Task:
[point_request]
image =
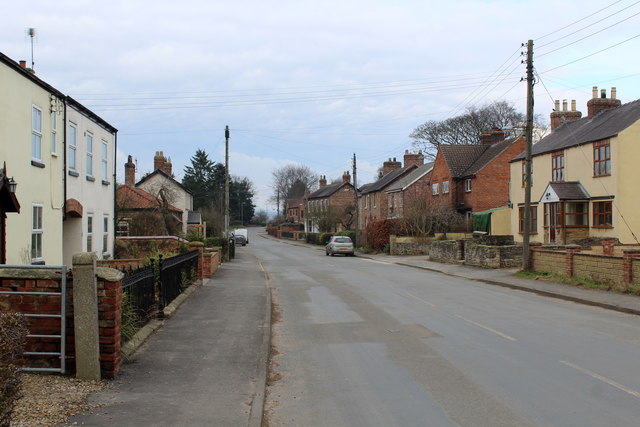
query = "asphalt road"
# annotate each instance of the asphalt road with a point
(364, 343)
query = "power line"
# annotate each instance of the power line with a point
(579, 20)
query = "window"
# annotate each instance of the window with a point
(89, 154)
(72, 146)
(576, 214)
(36, 233)
(54, 130)
(122, 229)
(89, 233)
(105, 150)
(533, 227)
(434, 189)
(105, 234)
(524, 172)
(557, 166)
(602, 215)
(467, 185)
(445, 187)
(601, 158)
(36, 133)
(366, 202)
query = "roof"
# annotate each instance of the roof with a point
(29, 75)
(327, 190)
(129, 197)
(409, 179)
(194, 217)
(466, 160)
(606, 124)
(93, 116)
(165, 175)
(569, 190)
(295, 202)
(386, 180)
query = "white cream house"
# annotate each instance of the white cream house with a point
(89, 223)
(32, 146)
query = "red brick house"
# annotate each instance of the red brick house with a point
(373, 203)
(294, 210)
(406, 191)
(475, 178)
(331, 207)
(143, 214)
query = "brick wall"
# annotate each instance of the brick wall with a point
(599, 268)
(109, 317)
(547, 260)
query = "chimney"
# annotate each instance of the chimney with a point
(485, 137)
(497, 135)
(346, 177)
(558, 117)
(129, 172)
(413, 158)
(595, 105)
(168, 167)
(323, 181)
(158, 161)
(390, 165)
(23, 63)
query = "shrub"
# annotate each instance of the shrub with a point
(378, 233)
(311, 238)
(350, 233)
(13, 332)
(324, 238)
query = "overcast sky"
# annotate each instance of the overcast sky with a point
(313, 82)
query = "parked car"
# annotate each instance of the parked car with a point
(240, 239)
(242, 232)
(339, 245)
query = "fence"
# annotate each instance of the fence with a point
(175, 273)
(139, 289)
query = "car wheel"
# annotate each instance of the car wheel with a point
(326, 253)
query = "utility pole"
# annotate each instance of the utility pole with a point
(355, 193)
(226, 181)
(526, 227)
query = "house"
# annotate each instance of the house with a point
(294, 210)
(161, 183)
(584, 175)
(8, 204)
(475, 178)
(90, 175)
(373, 202)
(331, 207)
(408, 190)
(32, 144)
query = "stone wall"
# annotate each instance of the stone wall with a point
(549, 261)
(409, 245)
(492, 256)
(444, 251)
(599, 268)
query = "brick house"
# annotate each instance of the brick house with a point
(408, 190)
(475, 178)
(373, 202)
(294, 210)
(330, 207)
(584, 175)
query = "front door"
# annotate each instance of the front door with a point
(551, 217)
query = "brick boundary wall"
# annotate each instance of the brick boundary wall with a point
(109, 316)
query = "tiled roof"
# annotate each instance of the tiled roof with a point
(459, 158)
(569, 191)
(386, 180)
(295, 202)
(327, 190)
(410, 178)
(129, 197)
(603, 125)
(491, 153)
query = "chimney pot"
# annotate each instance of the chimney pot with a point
(573, 105)
(613, 93)
(564, 105)
(23, 63)
(594, 92)
(557, 105)
(603, 93)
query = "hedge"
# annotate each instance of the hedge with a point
(378, 233)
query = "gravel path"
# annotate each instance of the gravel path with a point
(49, 400)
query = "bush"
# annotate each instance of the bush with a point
(324, 238)
(378, 233)
(13, 332)
(349, 233)
(311, 238)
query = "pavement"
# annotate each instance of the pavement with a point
(216, 373)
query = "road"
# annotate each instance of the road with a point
(367, 343)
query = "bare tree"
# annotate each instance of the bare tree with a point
(291, 181)
(466, 128)
(424, 217)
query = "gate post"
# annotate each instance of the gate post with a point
(85, 316)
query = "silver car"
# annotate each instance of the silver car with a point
(339, 245)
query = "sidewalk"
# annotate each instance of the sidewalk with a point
(206, 366)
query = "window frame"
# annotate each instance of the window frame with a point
(54, 133)
(37, 232)
(36, 134)
(435, 189)
(89, 240)
(566, 214)
(72, 161)
(601, 163)
(467, 185)
(533, 220)
(105, 233)
(105, 160)
(557, 170)
(599, 213)
(89, 156)
(445, 187)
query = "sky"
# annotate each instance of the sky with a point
(313, 82)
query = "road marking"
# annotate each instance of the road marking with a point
(487, 328)
(420, 299)
(603, 379)
(374, 260)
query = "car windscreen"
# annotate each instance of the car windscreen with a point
(342, 240)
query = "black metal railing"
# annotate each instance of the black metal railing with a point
(140, 292)
(176, 273)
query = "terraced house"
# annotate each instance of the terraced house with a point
(585, 175)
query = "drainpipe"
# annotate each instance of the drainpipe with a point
(64, 166)
(115, 185)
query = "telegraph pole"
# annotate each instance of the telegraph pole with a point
(526, 227)
(226, 180)
(355, 193)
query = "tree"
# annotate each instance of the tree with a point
(261, 217)
(466, 128)
(241, 192)
(292, 181)
(205, 179)
(328, 218)
(424, 217)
